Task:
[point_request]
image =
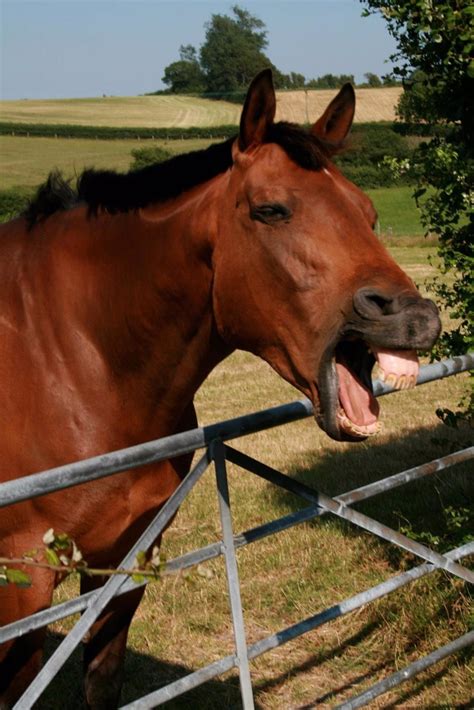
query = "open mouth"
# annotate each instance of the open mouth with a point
(348, 409)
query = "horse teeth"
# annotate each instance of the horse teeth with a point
(378, 373)
(402, 382)
(391, 380)
(355, 429)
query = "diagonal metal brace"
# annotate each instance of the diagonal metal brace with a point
(341, 510)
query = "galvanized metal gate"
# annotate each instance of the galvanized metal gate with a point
(217, 452)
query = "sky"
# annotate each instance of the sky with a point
(86, 48)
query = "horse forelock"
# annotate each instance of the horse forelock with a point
(115, 192)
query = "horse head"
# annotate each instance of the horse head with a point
(301, 279)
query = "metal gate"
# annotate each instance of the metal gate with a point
(216, 452)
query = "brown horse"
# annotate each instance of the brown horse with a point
(117, 301)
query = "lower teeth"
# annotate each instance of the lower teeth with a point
(356, 429)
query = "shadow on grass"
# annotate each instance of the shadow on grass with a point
(143, 674)
(421, 504)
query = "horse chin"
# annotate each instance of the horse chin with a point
(347, 409)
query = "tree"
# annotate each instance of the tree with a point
(185, 76)
(435, 46)
(330, 81)
(372, 80)
(417, 99)
(233, 51)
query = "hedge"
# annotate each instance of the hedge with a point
(173, 133)
(13, 202)
(113, 133)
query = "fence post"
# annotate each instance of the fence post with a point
(218, 454)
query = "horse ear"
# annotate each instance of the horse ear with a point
(259, 110)
(336, 121)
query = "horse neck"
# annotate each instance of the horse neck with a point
(151, 307)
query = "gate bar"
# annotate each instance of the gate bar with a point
(233, 581)
(73, 606)
(202, 675)
(408, 672)
(38, 484)
(338, 508)
(103, 595)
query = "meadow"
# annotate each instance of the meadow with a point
(184, 622)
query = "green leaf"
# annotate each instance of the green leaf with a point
(470, 69)
(141, 558)
(51, 557)
(18, 577)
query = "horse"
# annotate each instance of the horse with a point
(120, 295)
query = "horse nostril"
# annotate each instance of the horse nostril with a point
(373, 304)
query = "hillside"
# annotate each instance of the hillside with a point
(185, 111)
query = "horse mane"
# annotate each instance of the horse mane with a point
(115, 192)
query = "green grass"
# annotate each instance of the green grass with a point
(26, 162)
(397, 211)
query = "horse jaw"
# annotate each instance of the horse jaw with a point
(346, 408)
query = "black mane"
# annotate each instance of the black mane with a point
(122, 192)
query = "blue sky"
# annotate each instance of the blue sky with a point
(81, 48)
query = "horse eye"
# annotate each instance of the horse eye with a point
(270, 212)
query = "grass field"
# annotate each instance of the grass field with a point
(184, 620)
(184, 111)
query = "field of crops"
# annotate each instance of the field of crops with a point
(185, 111)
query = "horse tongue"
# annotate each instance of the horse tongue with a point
(397, 368)
(359, 411)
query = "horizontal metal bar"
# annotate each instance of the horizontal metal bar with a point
(37, 484)
(351, 604)
(192, 680)
(337, 507)
(73, 606)
(408, 672)
(357, 494)
(434, 371)
(400, 479)
(195, 557)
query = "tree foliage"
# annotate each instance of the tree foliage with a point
(232, 52)
(435, 41)
(185, 75)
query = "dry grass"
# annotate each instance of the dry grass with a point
(305, 107)
(184, 621)
(184, 111)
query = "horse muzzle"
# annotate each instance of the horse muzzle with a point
(381, 330)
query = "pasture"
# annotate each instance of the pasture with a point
(184, 620)
(184, 111)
